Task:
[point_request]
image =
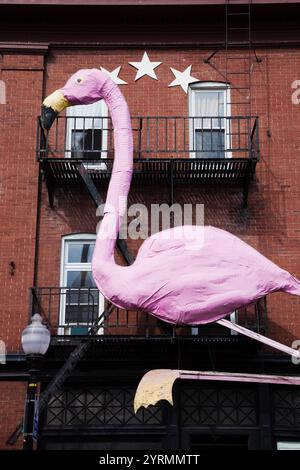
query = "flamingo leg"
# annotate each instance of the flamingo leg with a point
(259, 337)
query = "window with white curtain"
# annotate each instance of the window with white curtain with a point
(209, 129)
(86, 132)
(80, 302)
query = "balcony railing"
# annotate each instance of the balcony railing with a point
(91, 138)
(206, 150)
(72, 311)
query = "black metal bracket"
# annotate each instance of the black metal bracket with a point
(93, 191)
(207, 61)
(247, 179)
(50, 182)
(95, 195)
(245, 193)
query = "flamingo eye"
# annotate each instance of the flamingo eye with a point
(79, 80)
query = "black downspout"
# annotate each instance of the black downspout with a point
(39, 198)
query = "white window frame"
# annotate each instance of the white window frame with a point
(210, 87)
(98, 111)
(67, 240)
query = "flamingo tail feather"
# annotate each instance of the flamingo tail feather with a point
(293, 286)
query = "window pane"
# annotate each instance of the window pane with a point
(221, 103)
(210, 143)
(80, 279)
(80, 252)
(209, 104)
(81, 305)
(86, 143)
(83, 280)
(81, 313)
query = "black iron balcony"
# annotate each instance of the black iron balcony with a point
(204, 150)
(72, 311)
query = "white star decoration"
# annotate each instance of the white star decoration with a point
(114, 75)
(184, 78)
(145, 67)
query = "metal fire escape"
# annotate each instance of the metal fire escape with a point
(238, 67)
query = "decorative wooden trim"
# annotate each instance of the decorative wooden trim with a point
(25, 48)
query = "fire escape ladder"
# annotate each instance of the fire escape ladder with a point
(239, 55)
(238, 65)
(236, 69)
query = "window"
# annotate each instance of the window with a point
(86, 133)
(209, 110)
(81, 303)
(285, 445)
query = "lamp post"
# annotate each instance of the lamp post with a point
(35, 342)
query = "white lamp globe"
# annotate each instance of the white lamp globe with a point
(35, 337)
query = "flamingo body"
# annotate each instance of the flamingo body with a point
(183, 281)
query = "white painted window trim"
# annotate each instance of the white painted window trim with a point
(210, 86)
(83, 111)
(65, 266)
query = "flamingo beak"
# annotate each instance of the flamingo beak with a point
(51, 107)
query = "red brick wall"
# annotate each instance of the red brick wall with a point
(12, 400)
(271, 224)
(23, 76)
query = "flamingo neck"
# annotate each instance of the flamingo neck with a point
(118, 189)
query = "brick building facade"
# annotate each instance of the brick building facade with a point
(41, 45)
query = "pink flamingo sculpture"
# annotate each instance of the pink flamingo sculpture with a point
(186, 275)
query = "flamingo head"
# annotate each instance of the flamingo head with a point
(84, 87)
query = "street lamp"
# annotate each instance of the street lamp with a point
(35, 342)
